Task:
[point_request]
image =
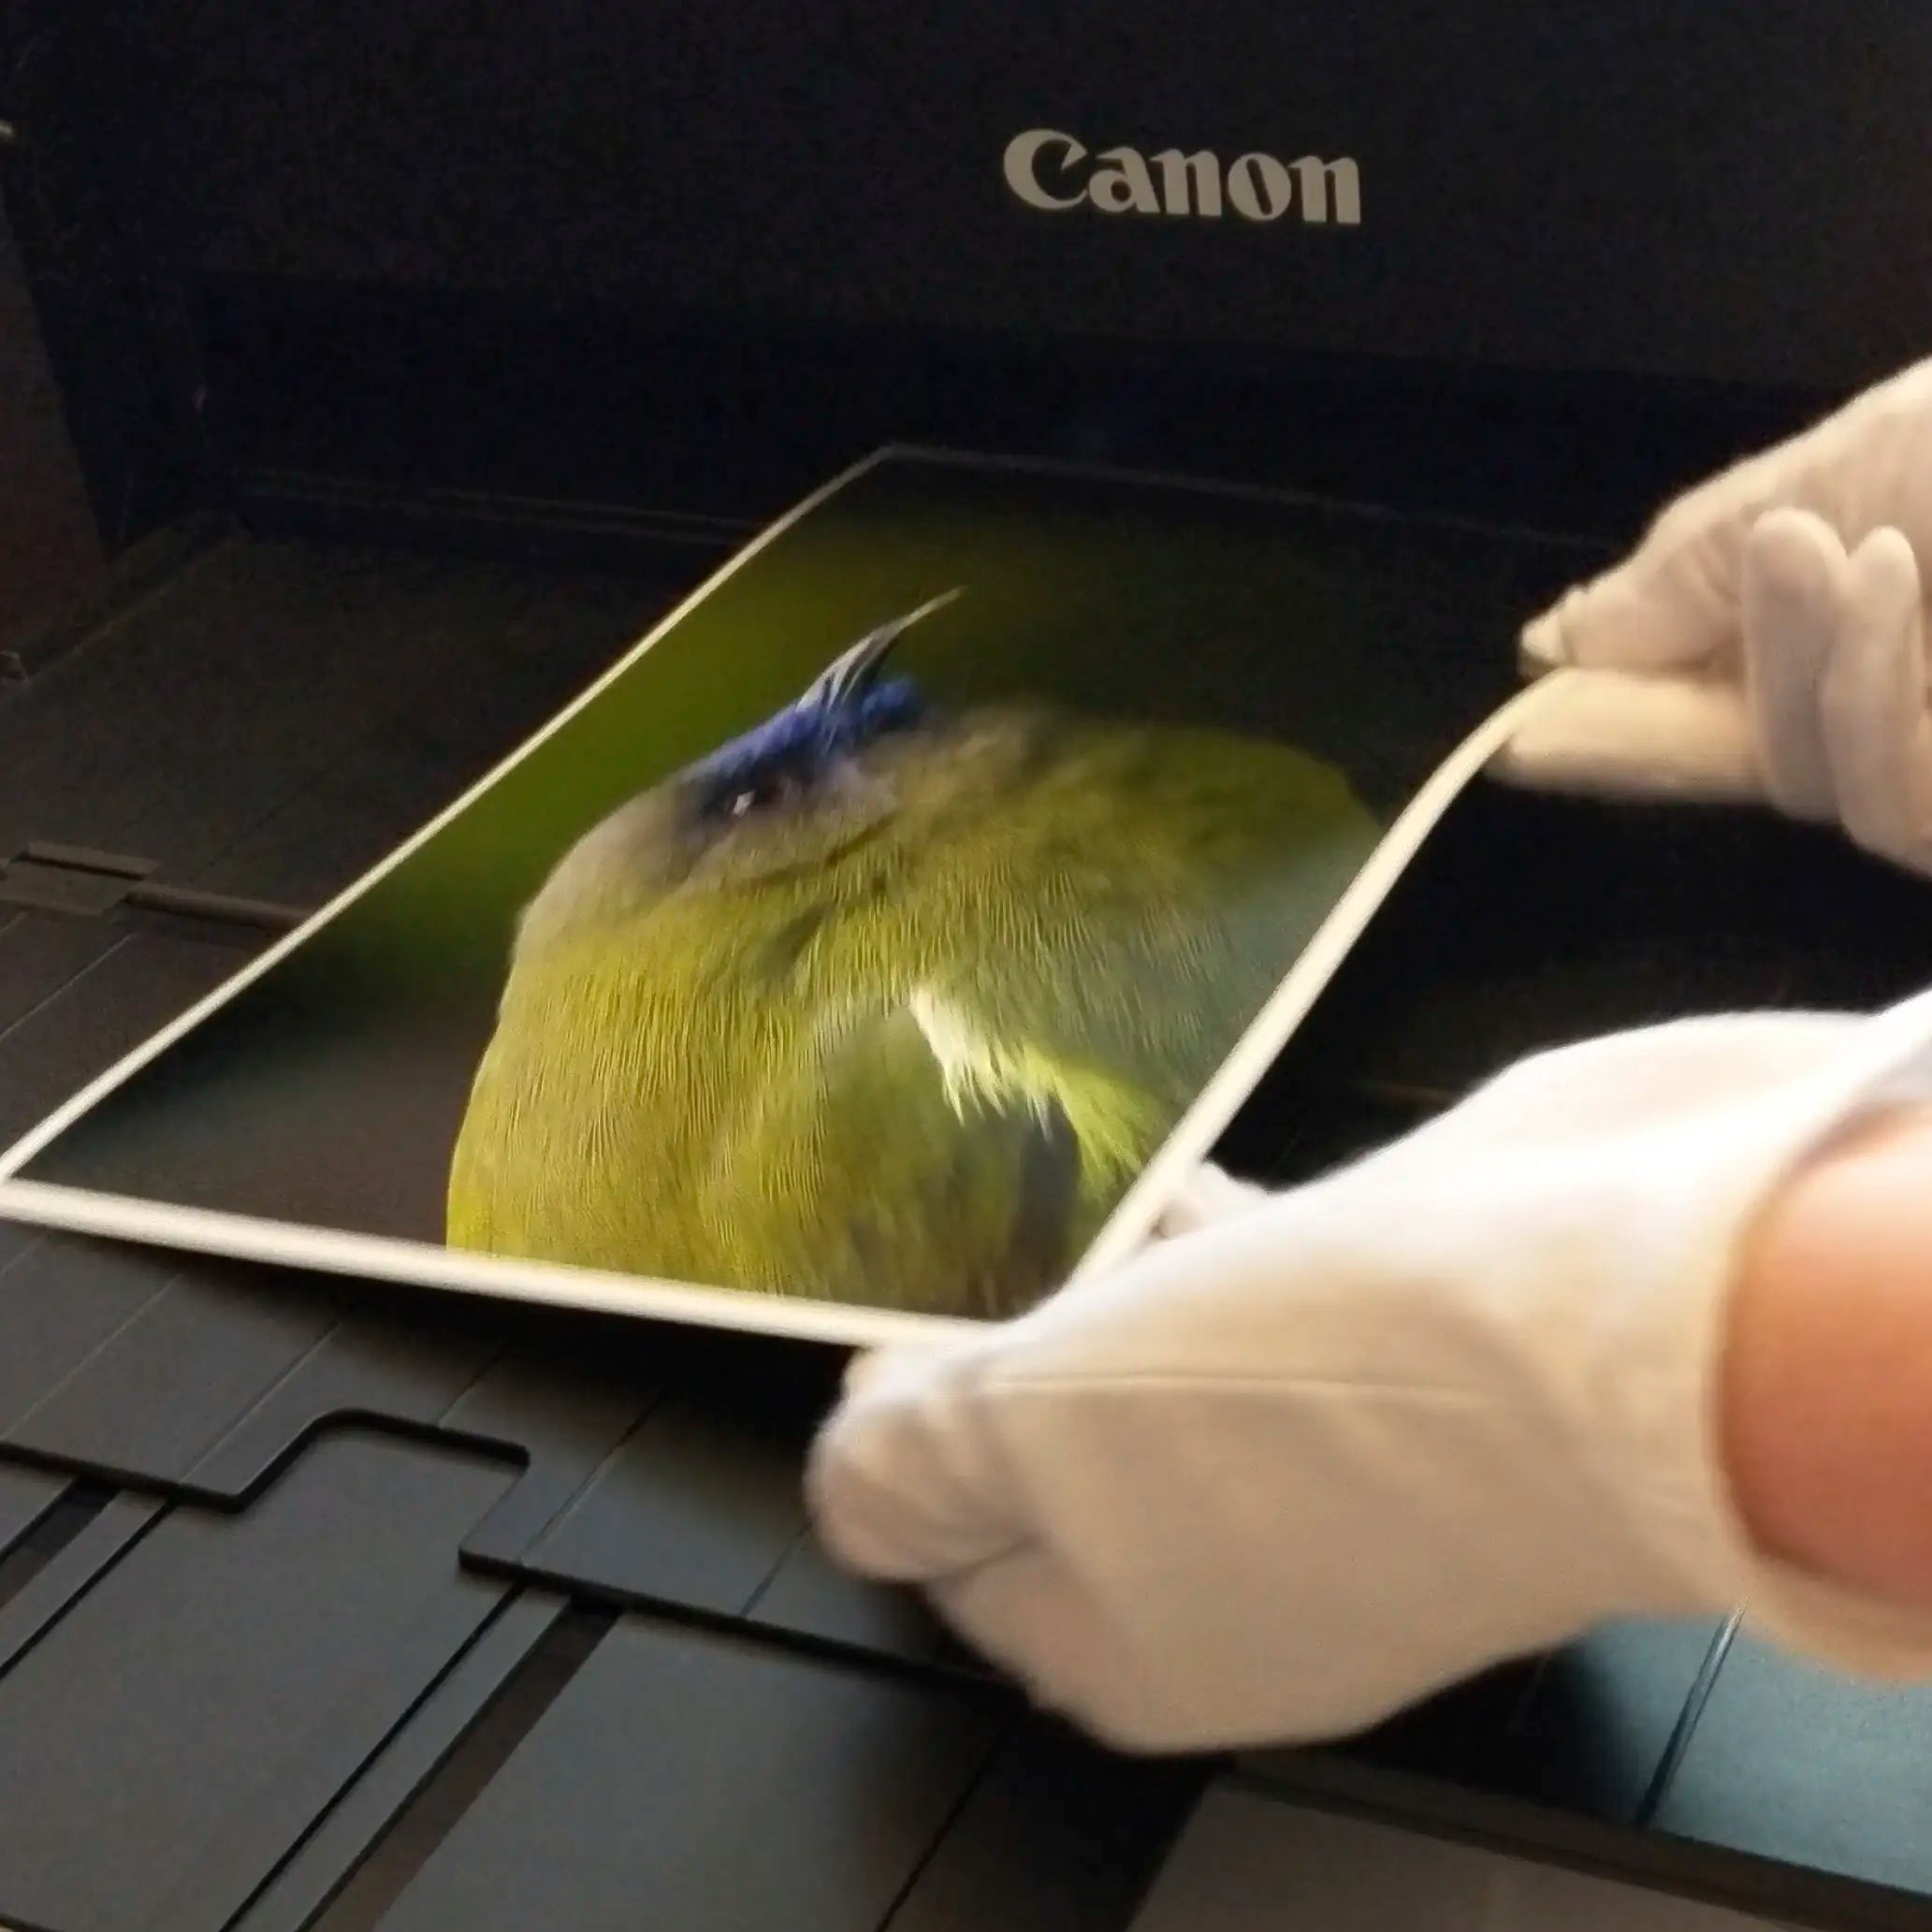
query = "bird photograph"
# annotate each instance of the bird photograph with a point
(846, 945)
(887, 1000)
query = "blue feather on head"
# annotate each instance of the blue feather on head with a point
(800, 742)
(848, 707)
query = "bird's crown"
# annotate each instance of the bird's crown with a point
(848, 706)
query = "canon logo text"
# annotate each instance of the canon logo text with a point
(1054, 172)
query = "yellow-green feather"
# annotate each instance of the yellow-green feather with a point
(917, 1066)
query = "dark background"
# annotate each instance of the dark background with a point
(841, 163)
(561, 276)
(49, 544)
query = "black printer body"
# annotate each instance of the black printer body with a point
(686, 260)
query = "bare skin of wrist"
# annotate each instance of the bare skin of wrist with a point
(1827, 1384)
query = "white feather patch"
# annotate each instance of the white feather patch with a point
(975, 1071)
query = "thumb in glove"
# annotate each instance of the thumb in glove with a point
(1766, 641)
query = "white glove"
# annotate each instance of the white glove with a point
(1322, 1452)
(1766, 641)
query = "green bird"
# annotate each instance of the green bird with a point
(888, 1004)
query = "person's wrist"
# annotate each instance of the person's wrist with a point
(1825, 1380)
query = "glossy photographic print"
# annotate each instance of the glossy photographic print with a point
(875, 945)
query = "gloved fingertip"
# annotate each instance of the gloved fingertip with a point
(1792, 576)
(864, 1370)
(1209, 1194)
(893, 1482)
(1638, 620)
(1607, 735)
(870, 1369)
(1883, 577)
(1792, 556)
(1670, 607)
(1544, 644)
(849, 1517)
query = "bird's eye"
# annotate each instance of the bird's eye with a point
(761, 796)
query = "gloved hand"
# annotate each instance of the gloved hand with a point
(1315, 1454)
(1766, 641)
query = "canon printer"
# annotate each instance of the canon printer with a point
(382, 369)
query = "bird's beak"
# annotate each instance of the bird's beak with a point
(852, 672)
